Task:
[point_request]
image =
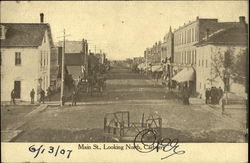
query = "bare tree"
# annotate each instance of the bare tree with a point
(229, 66)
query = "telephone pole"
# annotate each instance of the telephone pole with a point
(62, 68)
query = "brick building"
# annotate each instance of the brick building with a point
(185, 38)
(214, 46)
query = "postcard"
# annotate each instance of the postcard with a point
(124, 81)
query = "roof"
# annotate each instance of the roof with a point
(75, 71)
(25, 34)
(236, 35)
(73, 59)
(72, 46)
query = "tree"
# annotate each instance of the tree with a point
(230, 66)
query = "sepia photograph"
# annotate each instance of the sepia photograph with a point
(139, 72)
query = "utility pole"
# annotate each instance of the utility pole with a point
(62, 68)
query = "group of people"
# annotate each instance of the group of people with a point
(42, 96)
(32, 96)
(213, 95)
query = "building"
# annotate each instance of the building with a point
(153, 55)
(168, 52)
(25, 58)
(75, 58)
(138, 60)
(185, 51)
(212, 53)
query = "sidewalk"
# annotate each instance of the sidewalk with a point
(236, 113)
(12, 129)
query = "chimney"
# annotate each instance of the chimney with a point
(242, 19)
(41, 18)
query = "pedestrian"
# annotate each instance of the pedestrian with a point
(213, 95)
(42, 95)
(220, 92)
(32, 95)
(73, 98)
(208, 95)
(217, 95)
(188, 95)
(49, 92)
(13, 95)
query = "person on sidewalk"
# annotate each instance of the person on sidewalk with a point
(213, 95)
(74, 98)
(42, 95)
(13, 95)
(32, 96)
(220, 94)
(208, 95)
(49, 92)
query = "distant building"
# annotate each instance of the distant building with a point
(215, 46)
(138, 60)
(75, 58)
(25, 58)
(153, 55)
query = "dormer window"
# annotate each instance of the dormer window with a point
(2, 32)
(44, 39)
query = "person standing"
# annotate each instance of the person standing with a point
(42, 95)
(13, 95)
(73, 98)
(213, 95)
(32, 95)
(207, 94)
(49, 93)
(220, 92)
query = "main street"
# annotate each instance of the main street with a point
(138, 94)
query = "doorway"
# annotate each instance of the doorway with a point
(17, 87)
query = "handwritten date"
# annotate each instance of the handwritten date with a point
(51, 150)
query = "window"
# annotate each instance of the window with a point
(199, 63)
(202, 63)
(47, 60)
(41, 59)
(17, 58)
(44, 39)
(185, 37)
(182, 57)
(1, 31)
(192, 34)
(200, 85)
(206, 62)
(195, 34)
(44, 59)
(194, 56)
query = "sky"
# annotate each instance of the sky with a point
(121, 29)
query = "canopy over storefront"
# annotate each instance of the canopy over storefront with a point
(142, 66)
(187, 74)
(157, 68)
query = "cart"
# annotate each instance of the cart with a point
(118, 127)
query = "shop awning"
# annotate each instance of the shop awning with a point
(187, 74)
(141, 66)
(156, 68)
